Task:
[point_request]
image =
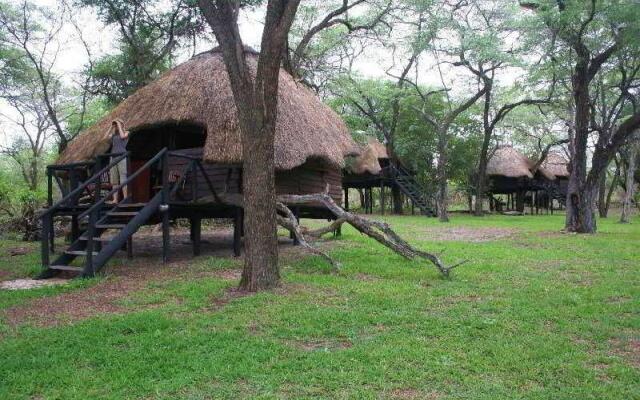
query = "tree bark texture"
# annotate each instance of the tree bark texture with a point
(441, 173)
(629, 178)
(256, 104)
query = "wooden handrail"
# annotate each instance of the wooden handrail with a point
(131, 177)
(84, 184)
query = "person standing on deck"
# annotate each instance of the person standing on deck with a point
(119, 140)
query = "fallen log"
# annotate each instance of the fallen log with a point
(379, 231)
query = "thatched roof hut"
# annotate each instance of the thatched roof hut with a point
(557, 164)
(198, 92)
(369, 159)
(508, 162)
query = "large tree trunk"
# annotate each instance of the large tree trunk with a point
(256, 103)
(481, 179)
(580, 217)
(441, 172)
(260, 224)
(603, 209)
(629, 184)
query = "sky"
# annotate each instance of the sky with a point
(373, 63)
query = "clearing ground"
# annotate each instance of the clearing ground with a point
(534, 314)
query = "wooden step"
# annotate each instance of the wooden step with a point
(66, 268)
(110, 226)
(122, 213)
(97, 239)
(131, 205)
(79, 252)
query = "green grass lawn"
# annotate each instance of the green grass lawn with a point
(534, 314)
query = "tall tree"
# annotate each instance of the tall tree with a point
(149, 33)
(256, 105)
(327, 35)
(615, 26)
(630, 167)
(31, 41)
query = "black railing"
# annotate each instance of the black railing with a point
(192, 169)
(70, 200)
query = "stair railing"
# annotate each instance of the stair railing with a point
(95, 211)
(48, 215)
(400, 171)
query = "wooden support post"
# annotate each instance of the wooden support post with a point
(371, 200)
(46, 220)
(164, 209)
(382, 197)
(296, 213)
(196, 230)
(346, 199)
(75, 228)
(49, 227)
(130, 247)
(238, 222)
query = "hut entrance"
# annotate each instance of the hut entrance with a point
(147, 142)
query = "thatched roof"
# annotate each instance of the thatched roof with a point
(369, 159)
(557, 164)
(377, 146)
(509, 162)
(198, 92)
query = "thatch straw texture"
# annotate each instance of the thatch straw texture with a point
(379, 148)
(557, 164)
(368, 160)
(199, 92)
(509, 162)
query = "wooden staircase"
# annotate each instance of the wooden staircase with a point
(412, 189)
(125, 218)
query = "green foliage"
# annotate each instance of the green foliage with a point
(149, 34)
(415, 141)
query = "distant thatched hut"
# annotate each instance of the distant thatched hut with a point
(373, 169)
(191, 109)
(513, 174)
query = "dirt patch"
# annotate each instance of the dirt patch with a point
(473, 235)
(124, 277)
(18, 251)
(628, 349)
(410, 393)
(228, 274)
(320, 344)
(22, 284)
(618, 299)
(4, 274)
(366, 277)
(99, 299)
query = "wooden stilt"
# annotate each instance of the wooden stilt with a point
(165, 237)
(130, 247)
(196, 230)
(237, 231)
(346, 199)
(382, 197)
(75, 228)
(296, 213)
